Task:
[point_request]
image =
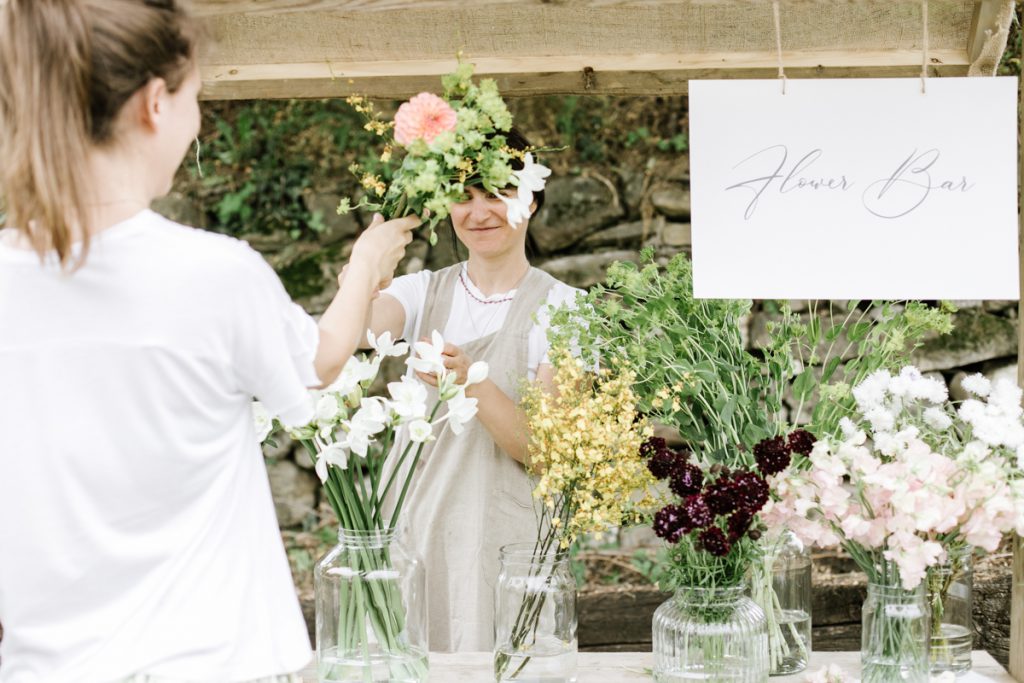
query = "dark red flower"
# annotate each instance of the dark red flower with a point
(720, 496)
(668, 522)
(772, 455)
(651, 446)
(801, 441)
(663, 463)
(751, 491)
(696, 514)
(738, 524)
(686, 480)
(714, 541)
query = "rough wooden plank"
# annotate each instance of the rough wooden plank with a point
(983, 19)
(626, 75)
(1016, 664)
(1017, 612)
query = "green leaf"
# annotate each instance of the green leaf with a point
(803, 385)
(830, 369)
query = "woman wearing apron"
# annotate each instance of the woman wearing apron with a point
(470, 493)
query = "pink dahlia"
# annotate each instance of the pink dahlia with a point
(423, 117)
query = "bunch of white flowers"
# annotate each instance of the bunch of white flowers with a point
(348, 423)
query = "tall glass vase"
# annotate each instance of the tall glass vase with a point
(781, 586)
(950, 588)
(535, 616)
(716, 635)
(371, 613)
(895, 635)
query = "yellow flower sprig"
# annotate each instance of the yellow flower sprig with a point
(584, 450)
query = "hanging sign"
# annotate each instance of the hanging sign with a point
(854, 188)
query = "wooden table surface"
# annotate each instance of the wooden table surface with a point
(623, 667)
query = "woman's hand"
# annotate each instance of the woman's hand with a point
(382, 246)
(455, 359)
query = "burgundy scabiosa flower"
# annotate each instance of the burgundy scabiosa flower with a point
(696, 512)
(720, 496)
(651, 446)
(686, 480)
(663, 463)
(714, 541)
(801, 441)
(668, 522)
(738, 524)
(772, 455)
(751, 491)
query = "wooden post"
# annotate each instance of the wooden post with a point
(1017, 591)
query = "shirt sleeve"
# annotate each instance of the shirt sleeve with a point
(561, 294)
(410, 291)
(275, 342)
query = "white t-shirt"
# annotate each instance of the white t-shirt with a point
(470, 318)
(137, 529)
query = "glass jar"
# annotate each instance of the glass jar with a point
(782, 588)
(535, 616)
(710, 634)
(950, 585)
(371, 614)
(895, 635)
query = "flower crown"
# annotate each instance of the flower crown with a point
(446, 144)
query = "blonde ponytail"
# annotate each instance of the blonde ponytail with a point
(67, 67)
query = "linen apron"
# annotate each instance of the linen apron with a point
(467, 497)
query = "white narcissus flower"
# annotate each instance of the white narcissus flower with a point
(262, 421)
(421, 431)
(517, 211)
(408, 398)
(531, 178)
(477, 373)
(335, 454)
(356, 371)
(429, 356)
(385, 346)
(370, 419)
(327, 409)
(460, 411)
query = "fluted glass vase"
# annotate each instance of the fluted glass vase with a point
(716, 635)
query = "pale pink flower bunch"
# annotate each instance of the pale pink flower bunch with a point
(911, 477)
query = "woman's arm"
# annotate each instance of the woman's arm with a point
(371, 266)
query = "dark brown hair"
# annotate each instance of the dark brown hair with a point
(67, 67)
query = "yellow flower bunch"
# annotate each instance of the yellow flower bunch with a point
(584, 450)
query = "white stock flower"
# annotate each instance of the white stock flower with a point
(880, 418)
(517, 211)
(262, 421)
(477, 373)
(335, 454)
(385, 346)
(460, 411)
(421, 431)
(408, 398)
(977, 384)
(429, 359)
(872, 391)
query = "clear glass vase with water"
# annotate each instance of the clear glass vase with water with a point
(950, 588)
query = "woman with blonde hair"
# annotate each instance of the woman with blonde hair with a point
(137, 532)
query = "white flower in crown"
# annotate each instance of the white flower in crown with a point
(530, 178)
(385, 346)
(517, 210)
(335, 454)
(262, 421)
(408, 398)
(421, 431)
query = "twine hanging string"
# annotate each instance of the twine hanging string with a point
(778, 43)
(924, 45)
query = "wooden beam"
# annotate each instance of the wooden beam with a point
(617, 75)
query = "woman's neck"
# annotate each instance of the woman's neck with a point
(499, 275)
(120, 189)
